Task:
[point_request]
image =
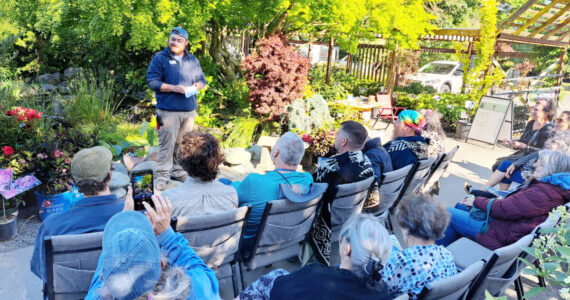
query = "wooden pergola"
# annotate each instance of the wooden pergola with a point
(544, 23)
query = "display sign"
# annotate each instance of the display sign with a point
(493, 120)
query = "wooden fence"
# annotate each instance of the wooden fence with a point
(370, 62)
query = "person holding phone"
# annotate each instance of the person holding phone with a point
(91, 171)
(176, 77)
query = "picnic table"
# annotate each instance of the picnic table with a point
(362, 104)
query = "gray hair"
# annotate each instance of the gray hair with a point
(173, 284)
(291, 148)
(370, 244)
(422, 217)
(559, 142)
(553, 162)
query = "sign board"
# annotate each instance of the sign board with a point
(493, 120)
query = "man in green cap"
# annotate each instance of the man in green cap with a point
(91, 172)
(176, 77)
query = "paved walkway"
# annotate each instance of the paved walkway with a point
(472, 164)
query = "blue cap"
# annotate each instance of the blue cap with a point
(130, 260)
(179, 31)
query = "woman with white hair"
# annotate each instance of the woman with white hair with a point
(422, 221)
(520, 211)
(364, 248)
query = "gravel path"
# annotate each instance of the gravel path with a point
(28, 225)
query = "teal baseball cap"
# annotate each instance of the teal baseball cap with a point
(179, 31)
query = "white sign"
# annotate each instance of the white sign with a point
(490, 118)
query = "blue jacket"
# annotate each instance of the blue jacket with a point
(204, 283)
(165, 69)
(379, 157)
(407, 150)
(560, 179)
(89, 215)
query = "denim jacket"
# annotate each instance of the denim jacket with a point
(164, 68)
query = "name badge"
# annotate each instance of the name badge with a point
(172, 62)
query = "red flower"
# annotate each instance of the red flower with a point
(306, 138)
(57, 153)
(7, 150)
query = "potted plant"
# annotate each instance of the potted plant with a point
(321, 144)
(9, 218)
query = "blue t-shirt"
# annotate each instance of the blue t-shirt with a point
(256, 190)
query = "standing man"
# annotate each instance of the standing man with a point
(176, 77)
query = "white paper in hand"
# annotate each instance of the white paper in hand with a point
(190, 91)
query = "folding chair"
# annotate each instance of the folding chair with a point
(386, 111)
(71, 261)
(216, 239)
(439, 168)
(348, 201)
(454, 287)
(284, 225)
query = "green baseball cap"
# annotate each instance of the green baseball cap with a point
(91, 163)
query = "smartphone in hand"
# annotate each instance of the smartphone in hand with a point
(143, 188)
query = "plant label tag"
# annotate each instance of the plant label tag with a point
(172, 62)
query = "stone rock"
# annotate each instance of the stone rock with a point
(145, 166)
(70, 72)
(152, 154)
(48, 88)
(118, 180)
(121, 193)
(245, 168)
(265, 157)
(28, 91)
(50, 78)
(255, 151)
(63, 88)
(267, 141)
(120, 168)
(237, 156)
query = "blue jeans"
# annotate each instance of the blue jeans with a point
(461, 224)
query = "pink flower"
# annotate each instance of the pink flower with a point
(67, 160)
(64, 170)
(57, 153)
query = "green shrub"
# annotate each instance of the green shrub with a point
(308, 114)
(416, 88)
(240, 132)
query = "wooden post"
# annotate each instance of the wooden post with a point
(470, 54)
(348, 61)
(309, 53)
(392, 75)
(559, 71)
(329, 61)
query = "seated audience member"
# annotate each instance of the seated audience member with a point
(381, 163)
(144, 259)
(364, 248)
(347, 166)
(91, 171)
(200, 156)
(408, 146)
(434, 132)
(509, 172)
(520, 211)
(256, 190)
(535, 134)
(407, 271)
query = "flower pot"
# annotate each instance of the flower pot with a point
(50, 204)
(462, 130)
(8, 226)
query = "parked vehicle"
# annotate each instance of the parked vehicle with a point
(445, 76)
